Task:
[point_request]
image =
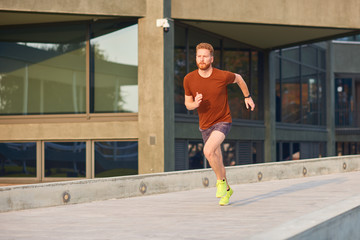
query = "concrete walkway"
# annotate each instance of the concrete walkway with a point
(255, 210)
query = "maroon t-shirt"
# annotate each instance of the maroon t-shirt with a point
(214, 107)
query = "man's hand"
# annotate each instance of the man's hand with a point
(192, 103)
(198, 99)
(249, 103)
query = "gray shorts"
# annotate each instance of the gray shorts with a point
(223, 127)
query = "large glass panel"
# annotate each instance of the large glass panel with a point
(42, 69)
(296, 151)
(65, 159)
(322, 58)
(115, 60)
(229, 153)
(18, 159)
(350, 38)
(356, 105)
(237, 61)
(322, 102)
(343, 102)
(286, 151)
(300, 103)
(116, 158)
(308, 55)
(290, 95)
(196, 155)
(291, 53)
(180, 69)
(257, 150)
(278, 88)
(255, 88)
(310, 106)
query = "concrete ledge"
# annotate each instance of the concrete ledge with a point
(81, 191)
(337, 222)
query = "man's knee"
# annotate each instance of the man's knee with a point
(209, 153)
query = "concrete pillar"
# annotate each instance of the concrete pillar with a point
(156, 94)
(330, 100)
(269, 107)
(169, 108)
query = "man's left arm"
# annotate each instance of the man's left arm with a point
(242, 84)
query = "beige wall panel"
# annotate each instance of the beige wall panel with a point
(69, 131)
(319, 13)
(93, 7)
(151, 90)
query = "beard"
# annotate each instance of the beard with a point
(203, 66)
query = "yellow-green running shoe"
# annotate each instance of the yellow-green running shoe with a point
(225, 200)
(221, 188)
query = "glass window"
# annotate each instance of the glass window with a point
(255, 87)
(237, 61)
(18, 159)
(322, 100)
(290, 95)
(322, 58)
(233, 152)
(310, 103)
(309, 55)
(278, 88)
(344, 113)
(42, 70)
(300, 85)
(350, 38)
(65, 159)
(115, 60)
(291, 53)
(257, 150)
(285, 151)
(296, 151)
(180, 55)
(116, 158)
(229, 153)
(196, 155)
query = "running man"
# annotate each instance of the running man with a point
(206, 91)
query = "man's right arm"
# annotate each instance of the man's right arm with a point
(192, 104)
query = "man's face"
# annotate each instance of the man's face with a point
(204, 59)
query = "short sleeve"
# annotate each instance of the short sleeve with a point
(186, 87)
(230, 77)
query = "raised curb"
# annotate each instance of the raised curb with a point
(81, 191)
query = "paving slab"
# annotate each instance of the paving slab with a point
(255, 208)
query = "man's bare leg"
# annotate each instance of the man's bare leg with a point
(212, 152)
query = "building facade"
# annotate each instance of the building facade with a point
(93, 89)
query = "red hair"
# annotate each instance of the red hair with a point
(207, 46)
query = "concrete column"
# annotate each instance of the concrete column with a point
(330, 100)
(269, 107)
(156, 90)
(169, 109)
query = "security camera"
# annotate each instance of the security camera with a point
(164, 23)
(166, 26)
